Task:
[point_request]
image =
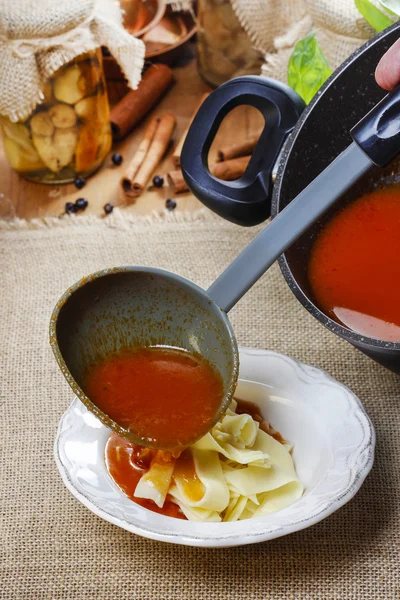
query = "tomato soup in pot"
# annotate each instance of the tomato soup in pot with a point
(354, 266)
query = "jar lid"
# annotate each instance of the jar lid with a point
(37, 38)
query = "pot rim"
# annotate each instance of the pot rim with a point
(340, 330)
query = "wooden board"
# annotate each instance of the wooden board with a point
(20, 198)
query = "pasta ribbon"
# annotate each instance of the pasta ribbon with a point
(236, 471)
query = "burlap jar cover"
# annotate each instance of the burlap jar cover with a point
(275, 26)
(37, 38)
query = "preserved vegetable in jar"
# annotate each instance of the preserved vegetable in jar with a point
(54, 113)
(69, 133)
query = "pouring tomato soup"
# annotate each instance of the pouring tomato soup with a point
(354, 266)
(164, 395)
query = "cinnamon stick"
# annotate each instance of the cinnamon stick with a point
(176, 181)
(134, 184)
(235, 150)
(227, 171)
(142, 150)
(176, 157)
(230, 169)
(137, 103)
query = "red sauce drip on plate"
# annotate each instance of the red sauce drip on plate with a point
(126, 464)
(164, 395)
(354, 266)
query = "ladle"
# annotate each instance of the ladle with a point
(137, 306)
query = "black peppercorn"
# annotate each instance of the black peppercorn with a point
(158, 181)
(117, 159)
(70, 208)
(170, 204)
(81, 203)
(79, 182)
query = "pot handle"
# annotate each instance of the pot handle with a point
(246, 201)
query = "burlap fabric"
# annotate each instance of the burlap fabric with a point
(276, 25)
(37, 38)
(52, 548)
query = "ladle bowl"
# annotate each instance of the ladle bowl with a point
(135, 307)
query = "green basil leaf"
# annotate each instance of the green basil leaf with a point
(376, 18)
(308, 68)
(392, 6)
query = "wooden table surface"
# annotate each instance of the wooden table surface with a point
(20, 198)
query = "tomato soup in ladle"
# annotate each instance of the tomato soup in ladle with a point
(165, 396)
(354, 266)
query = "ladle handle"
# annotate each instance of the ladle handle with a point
(294, 220)
(378, 133)
(246, 201)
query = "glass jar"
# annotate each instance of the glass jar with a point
(224, 50)
(69, 133)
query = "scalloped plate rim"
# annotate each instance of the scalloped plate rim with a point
(238, 539)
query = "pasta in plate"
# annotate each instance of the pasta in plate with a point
(236, 471)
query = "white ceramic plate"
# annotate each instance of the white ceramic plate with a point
(333, 452)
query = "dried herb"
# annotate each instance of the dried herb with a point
(308, 68)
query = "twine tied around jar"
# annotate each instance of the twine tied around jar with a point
(36, 39)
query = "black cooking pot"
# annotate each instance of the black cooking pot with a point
(297, 144)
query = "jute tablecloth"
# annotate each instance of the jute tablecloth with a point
(55, 549)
